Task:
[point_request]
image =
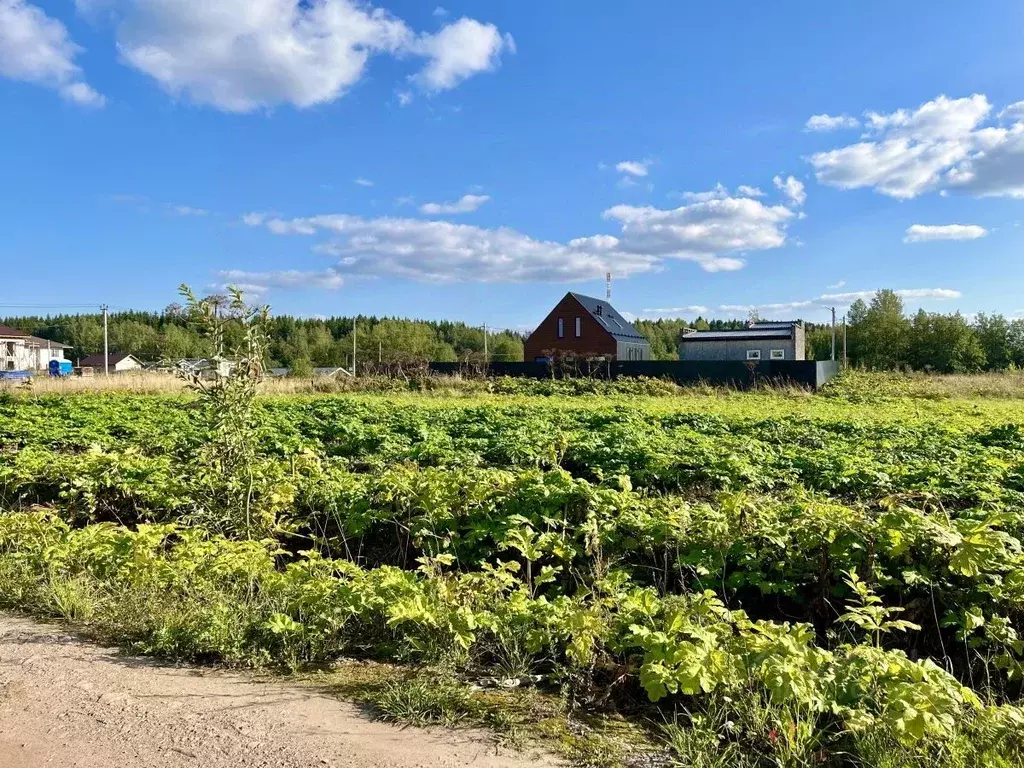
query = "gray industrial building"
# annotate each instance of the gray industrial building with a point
(758, 341)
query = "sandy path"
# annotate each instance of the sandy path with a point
(65, 702)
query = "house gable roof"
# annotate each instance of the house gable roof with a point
(35, 341)
(7, 332)
(609, 319)
(114, 358)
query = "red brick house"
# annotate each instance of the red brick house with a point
(584, 327)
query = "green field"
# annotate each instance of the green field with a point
(765, 578)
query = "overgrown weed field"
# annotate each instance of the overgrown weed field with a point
(753, 579)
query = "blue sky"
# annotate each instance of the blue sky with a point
(476, 161)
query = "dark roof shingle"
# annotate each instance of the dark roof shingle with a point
(8, 332)
(46, 343)
(744, 334)
(94, 361)
(610, 320)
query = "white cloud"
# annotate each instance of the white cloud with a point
(943, 145)
(792, 188)
(404, 98)
(690, 310)
(465, 204)
(440, 12)
(924, 233)
(718, 192)
(939, 120)
(715, 234)
(838, 284)
(363, 182)
(187, 210)
(824, 123)
(633, 167)
(36, 48)
(261, 282)
(707, 232)
(243, 55)
(440, 251)
(839, 300)
(460, 50)
(255, 218)
(1013, 112)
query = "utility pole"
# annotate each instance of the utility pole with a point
(844, 343)
(354, 347)
(833, 333)
(486, 358)
(380, 351)
(106, 347)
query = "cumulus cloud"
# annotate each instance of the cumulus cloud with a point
(36, 48)
(441, 251)
(363, 182)
(460, 50)
(633, 167)
(243, 55)
(825, 123)
(838, 300)
(925, 233)
(465, 204)
(718, 192)
(691, 310)
(792, 188)
(715, 234)
(1013, 112)
(943, 145)
(707, 232)
(261, 282)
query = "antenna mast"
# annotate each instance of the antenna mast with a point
(608, 286)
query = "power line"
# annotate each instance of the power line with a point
(50, 306)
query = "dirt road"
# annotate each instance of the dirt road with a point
(65, 702)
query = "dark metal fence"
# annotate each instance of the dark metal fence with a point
(807, 373)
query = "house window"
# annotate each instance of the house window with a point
(753, 354)
(561, 328)
(579, 327)
(778, 354)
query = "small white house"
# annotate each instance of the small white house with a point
(118, 362)
(15, 354)
(45, 351)
(20, 351)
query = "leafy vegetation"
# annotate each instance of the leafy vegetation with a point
(765, 578)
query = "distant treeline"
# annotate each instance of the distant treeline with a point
(664, 334)
(294, 342)
(879, 336)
